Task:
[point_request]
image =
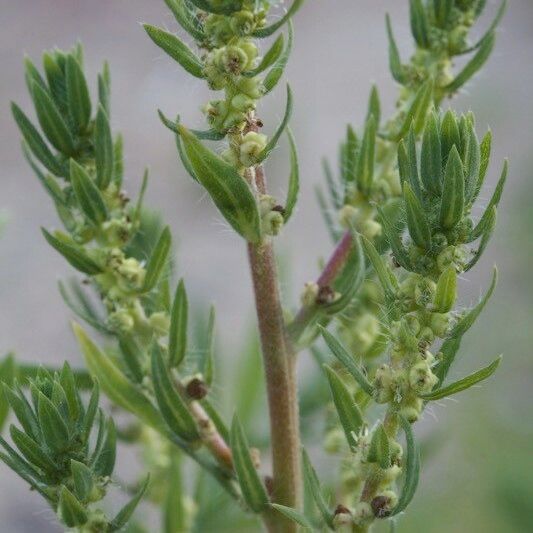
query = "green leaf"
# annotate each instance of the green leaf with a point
(453, 194)
(374, 106)
(89, 198)
(83, 479)
(419, 23)
(252, 487)
(269, 58)
(417, 111)
(78, 99)
(72, 397)
(485, 149)
(174, 514)
(104, 462)
(492, 27)
(347, 360)
(73, 254)
(472, 162)
(208, 358)
(315, 489)
(294, 179)
(349, 414)
(483, 223)
(103, 149)
(464, 383)
(488, 228)
(349, 156)
(446, 292)
(449, 132)
(229, 191)
(177, 336)
(127, 511)
(417, 220)
(294, 515)
(176, 49)
(379, 449)
(172, 406)
(32, 75)
(118, 167)
(272, 143)
(481, 56)
(23, 412)
(222, 8)
(442, 10)
(269, 30)
(70, 511)
(431, 157)
(395, 63)
(184, 18)
(119, 389)
(51, 121)
(411, 468)
(90, 413)
(35, 142)
(276, 72)
(365, 160)
(158, 260)
(7, 376)
(56, 79)
(55, 431)
(31, 450)
(394, 238)
(451, 345)
(133, 356)
(382, 270)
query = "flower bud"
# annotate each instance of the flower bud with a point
(440, 323)
(121, 321)
(160, 322)
(251, 146)
(383, 504)
(309, 294)
(421, 378)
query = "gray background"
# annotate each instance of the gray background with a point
(340, 50)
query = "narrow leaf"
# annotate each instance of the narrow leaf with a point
(294, 515)
(73, 254)
(177, 336)
(104, 463)
(51, 121)
(269, 30)
(275, 73)
(169, 400)
(222, 8)
(315, 489)
(89, 198)
(294, 179)
(79, 101)
(54, 429)
(127, 511)
(417, 220)
(83, 479)
(269, 58)
(253, 489)
(176, 49)
(395, 63)
(349, 414)
(181, 14)
(379, 449)
(385, 276)
(453, 194)
(365, 162)
(446, 292)
(347, 360)
(419, 23)
(69, 509)
(103, 149)
(158, 260)
(230, 193)
(431, 157)
(394, 238)
(464, 383)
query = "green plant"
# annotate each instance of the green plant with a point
(405, 233)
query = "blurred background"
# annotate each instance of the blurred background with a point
(479, 478)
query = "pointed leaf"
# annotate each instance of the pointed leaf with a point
(253, 489)
(83, 479)
(431, 157)
(127, 511)
(267, 150)
(70, 511)
(89, 198)
(55, 431)
(294, 179)
(269, 30)
(446, 292)
(222, 8)
(175, 515)
(412, 468)
(35, 142)
(383, 272)
(417, 111)
(78, 99)
(104, 463)
(73, 254)
(176, 49)
(31, 450)
(347, 360)
(103, 149)
(365, 162)
(349, 414)
(417, 220)
(185, 20)
(379, 449)
(464, 383)
(229, 191)
(470, 69)
(374, 106)
(158, 260)
(172, 406)
(485, 149)
(51, 121)
(394, 239)
(269, 58)
(488, 228)
(419, 23)
(119, 389)
(278, 68)
(177, 337)
(453, 194)
(294, 515)
(395, 63)
(315, 489)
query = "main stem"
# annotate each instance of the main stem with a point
(279, 365)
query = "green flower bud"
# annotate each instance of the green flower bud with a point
(250, 87)
(117, 231)
(452, 255)
(383, 381)
(342, 519)
(383, 504)
(309, 294)
(424, 292)
(243, 103)
(421, 378)
(370, 228)
(362, 514)
(440, 324)
(121, 321)
(426, 336)
(366, 331)
(272, 223)
(232, 59)
(131, 274)
(251, 146)
(242, 22)
(160, 322)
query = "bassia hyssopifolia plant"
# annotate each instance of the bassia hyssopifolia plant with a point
(381, 318)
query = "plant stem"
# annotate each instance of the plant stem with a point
(280, 378)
